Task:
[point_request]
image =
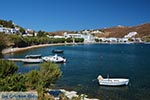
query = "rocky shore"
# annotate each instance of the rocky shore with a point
(70, 94)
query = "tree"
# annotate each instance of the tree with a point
(146, 39)
(130, 39)
(9, 80)
(14, 83)
(19, 41)
(97, 40)
(79, 40)
(33, 79)
(50, 73)
(38, 80)
(7, 68)
(22, 30)
(3, 41)
(69, 40)
(14, 39)
(41, 34)
(8, 24)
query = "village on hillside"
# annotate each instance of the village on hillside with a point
(89, 36)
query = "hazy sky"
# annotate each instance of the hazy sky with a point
(54, 15)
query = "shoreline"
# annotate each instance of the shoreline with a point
(13, 50)
(17, 49)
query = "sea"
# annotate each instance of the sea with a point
(86, 61)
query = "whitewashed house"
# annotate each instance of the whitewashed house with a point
(72, 35)
(130, 35)
(112, 39)
(85, 31)
(96, 31)
(122, 40)
(1, 28)
(102, 39)
(57, 36)
(8, 30)
(87, 37)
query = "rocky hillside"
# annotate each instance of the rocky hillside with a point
(143, 30)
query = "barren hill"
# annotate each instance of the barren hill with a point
(143, 30)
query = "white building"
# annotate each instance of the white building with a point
(122, 40)
(114, 40)
(96, 31)
(87, 37)
(8, 30)
(1, 29)
(85, 32)
(72, 35)
(103, 39)
(57, 36)
(130, 35)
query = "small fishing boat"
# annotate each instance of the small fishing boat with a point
(112, 81)
(57, 51)
(33, 59)
(55, 59)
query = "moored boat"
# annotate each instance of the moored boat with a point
(55, 59)
(112, 81)
(57, 51)
(33, 59)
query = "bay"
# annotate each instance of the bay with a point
(86, 62)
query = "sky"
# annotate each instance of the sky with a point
(75, 15)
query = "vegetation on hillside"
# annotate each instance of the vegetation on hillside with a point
(7, 68)
(41, 33)
(20, 41)
(3, 41)
(146, 38)
(8, 24)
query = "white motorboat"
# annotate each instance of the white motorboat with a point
(112, 81)
(33, 59)
(55, 59)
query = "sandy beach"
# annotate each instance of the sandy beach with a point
(12, 50)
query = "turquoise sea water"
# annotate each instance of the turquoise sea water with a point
(86, 62)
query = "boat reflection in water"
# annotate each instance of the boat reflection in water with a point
(30, 64)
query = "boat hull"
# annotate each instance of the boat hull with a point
(114, 82)
(32, 61)
(55, 59)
